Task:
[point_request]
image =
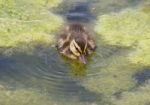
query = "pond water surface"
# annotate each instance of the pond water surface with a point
(67, 81)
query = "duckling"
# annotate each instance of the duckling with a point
(75, 42)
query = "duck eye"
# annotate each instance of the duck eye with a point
(78, 49)
(76, 45)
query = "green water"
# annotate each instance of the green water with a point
(35, 74)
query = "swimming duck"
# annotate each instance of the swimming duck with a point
(75, 42)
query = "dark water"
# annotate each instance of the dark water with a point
(60, 77)
(143, 75)
(88, 10)
(47, 73)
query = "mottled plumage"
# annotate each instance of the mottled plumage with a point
(75, 42)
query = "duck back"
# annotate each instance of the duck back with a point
(77, 28)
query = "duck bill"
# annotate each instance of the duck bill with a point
(82, 59)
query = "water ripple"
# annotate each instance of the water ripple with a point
(31, 71)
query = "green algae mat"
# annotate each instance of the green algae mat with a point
(27, 22)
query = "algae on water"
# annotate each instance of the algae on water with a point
(130, 28)
(23, 97)
(107, 6)
(140, 96)
(113, 78)
(27, 22)
(24, 24)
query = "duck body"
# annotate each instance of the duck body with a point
(75, 42)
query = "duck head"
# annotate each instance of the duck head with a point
(78, 47)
